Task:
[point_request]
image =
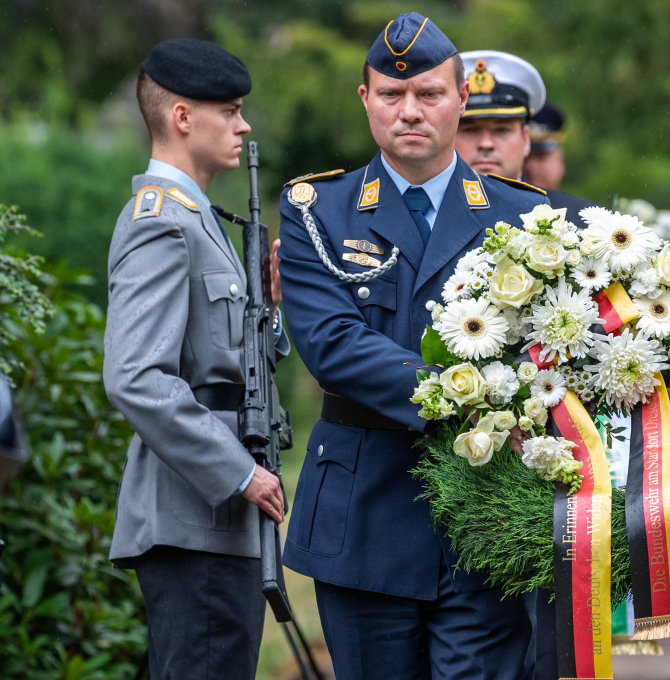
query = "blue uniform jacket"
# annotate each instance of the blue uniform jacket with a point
(356, 521)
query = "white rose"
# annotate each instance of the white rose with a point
(512, 285)
(527, 372)
(544, 212)
(533, 407)
(479, 444)
(546, 256)
(663, 265)
(463, 384)
(587, 247)
(525, 423)
(574, 258)
(570, 239)
(504, 420)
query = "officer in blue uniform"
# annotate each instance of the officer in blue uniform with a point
(364, 256)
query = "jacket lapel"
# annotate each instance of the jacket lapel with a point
(456, 225)
(212, 228)
(391, 219)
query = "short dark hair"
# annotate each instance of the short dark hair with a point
(154, 101)
(459, 71)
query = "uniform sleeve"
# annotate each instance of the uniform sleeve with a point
(146, 322)
(340, 350)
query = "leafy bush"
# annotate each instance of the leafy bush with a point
(64, 612)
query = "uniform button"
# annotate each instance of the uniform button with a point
(430, 304)
(233, 289)
(320, 450)
(363, 293)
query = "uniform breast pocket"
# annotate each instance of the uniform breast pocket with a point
(378, 301)
(227, 302)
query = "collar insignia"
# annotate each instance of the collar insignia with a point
(148, 203)
(475, 194)
(178, 196)
(481, 81)
(369, 195)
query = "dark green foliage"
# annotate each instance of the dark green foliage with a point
(64, 612)
(500, 517)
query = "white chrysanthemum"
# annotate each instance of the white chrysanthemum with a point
(562, 324)
(518, 326)
(501, 382)
(549, 456)
(470, 260)
(620, 240)
(646, 281)
(472, 329)
(592, 274)
(549, 385)
(626, 367)
(458, 286)
(654, 314)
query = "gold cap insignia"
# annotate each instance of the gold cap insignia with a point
(370, 194)
(481, 81)
(302, 193)
(363, 245)
(361, 258)
(474, 193)
(178, 196)
(148, 203)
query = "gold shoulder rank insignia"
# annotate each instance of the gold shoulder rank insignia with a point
(148, 203)
(518, 184)
(315, 177)
(475, 194)
(182, 198)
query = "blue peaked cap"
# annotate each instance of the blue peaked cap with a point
(409, 45)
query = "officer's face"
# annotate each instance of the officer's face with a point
(496, 145)
(545, 169)
(215, 135)
(414, 121)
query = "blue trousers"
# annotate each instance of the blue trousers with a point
(458, 636)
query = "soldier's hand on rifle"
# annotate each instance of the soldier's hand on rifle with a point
(264, 491)
(274, 273)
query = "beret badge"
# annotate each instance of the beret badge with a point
(481, 81)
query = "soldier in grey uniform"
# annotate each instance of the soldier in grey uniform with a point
(187, 509)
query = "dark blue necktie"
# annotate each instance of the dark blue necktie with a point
(418, 204)
(218, 221)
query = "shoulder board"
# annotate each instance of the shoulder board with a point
(148, 203)
(180, 197)
(315, 177)
(518, 184)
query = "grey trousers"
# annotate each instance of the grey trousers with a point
(205, 614)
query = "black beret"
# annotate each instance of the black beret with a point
(409, 45)
(198, 69)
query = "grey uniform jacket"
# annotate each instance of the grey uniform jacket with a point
(176, 304)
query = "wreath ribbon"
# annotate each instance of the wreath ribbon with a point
(582, 552)
(648, 514)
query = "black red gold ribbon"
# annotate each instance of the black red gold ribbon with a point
(582, 552)
(615, 308)
(648, 514)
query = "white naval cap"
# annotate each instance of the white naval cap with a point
(501, 85)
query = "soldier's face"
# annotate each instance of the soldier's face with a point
(414, 121)
(496, 145)
(215, 135)
(545, 169)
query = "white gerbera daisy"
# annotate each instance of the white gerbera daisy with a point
(549, 385)
(592, 274)
(562, 324)
(620, 240)
(472, 329)
(654, 314)
(626, 367)
(458, 286)
(501, 382)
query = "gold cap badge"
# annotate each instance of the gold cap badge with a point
(481, 81)
(302, 193)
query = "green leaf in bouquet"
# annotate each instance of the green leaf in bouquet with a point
(435, 353)
(524, 392)
(422, 374)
